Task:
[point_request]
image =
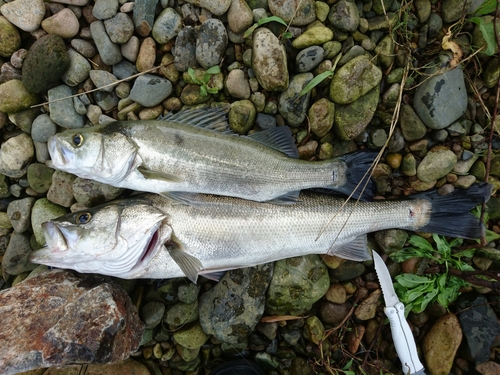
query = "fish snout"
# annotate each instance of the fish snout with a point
(59, 154)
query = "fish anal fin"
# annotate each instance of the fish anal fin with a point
(155, 175)
(189, 264)
(278, 138)
(288, 198)
(356, 250)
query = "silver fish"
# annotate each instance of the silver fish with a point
(150, 236)
(186, 153)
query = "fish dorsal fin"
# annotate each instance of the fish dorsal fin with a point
(278, 138)
(288, 198)
(356, 250)
(187, 263)
(208, 118)
(155, 175)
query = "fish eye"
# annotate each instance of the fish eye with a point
(83, 218)
(77, 140)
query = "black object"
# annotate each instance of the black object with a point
(238, 367)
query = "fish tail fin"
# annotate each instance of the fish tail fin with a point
(358, 179)
(450, 214)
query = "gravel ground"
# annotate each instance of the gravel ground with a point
(391, 60)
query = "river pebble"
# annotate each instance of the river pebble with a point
(15, 155)
(78, 70)
(63, 112)
(103, 80)
(152, 314)
(11, 40)
(25, 14)
(314, 36)
(211, 43)
(436, 164)
(109, 51)
(91, 193)
(237, 85)
(63, 23)
(291, 105)
(44, 210)
(167, 26)
(185, 49)
(150, 90)
(239, 16)
(105, 9)
(119, 28)
(344, 15)
(39, 177)
(309, 58)
(61, 189)
(297, 12)
(19, 212)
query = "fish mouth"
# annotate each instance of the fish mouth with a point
(150, 249)
(59, 154)
(55, 243)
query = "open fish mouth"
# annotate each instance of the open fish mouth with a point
(55, 244)
(59, 154)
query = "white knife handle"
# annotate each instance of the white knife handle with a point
(403, 339)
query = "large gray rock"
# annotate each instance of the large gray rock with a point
(297, 12)
(64, 319)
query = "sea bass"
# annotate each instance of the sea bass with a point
(150, 236)
(185, 152)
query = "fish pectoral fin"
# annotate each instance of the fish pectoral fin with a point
(155, 175)
(215, 276)
(278, 138)
(188, 199)
(289, 198)
(189, 264)
(356, 250)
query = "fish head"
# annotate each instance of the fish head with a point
(111, 239)
(102, 153)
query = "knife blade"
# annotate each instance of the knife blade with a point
(395, 312)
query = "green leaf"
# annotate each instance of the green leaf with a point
(213, 90)
(486, 7)
(408, 253)
(250, 30)
(410, 280)
(421, 243)
(488, 32)
(316, 81)
(491, 236)
(287, 35)
(213, 70)
(348, 364)
(203, 91)
(264, 20)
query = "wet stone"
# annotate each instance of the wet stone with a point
(233, 307)
(291, 105)
(15, 260)
(217, 7)
(103, 80)
(237, 85)
(188, 293)
(84, 48)
(106, 100)
(241, 116)
(152, 314)
(441, 99)
(314, 330)
(391, 240)
(347, 271)
(297, 283)
(368, 308)
(19, 212)
(309, 58)
(265, 121)
(211, 43)
(191, 337)
(332, 313)
(239, 16)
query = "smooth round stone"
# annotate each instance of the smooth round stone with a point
(61, 189)
(78, 70)
(119, 28)
(237, 85)
(291, 105)
(19, 212)
(46, 62)
(188, 293)
(14, 97)
(24, 119)
(436, 164)
(43, 128)
(309, 58)
(352, 119)
(265, 121)
(150, 90)
(130, 50)
(441, 99)
(25, 14)
(242, 116)
(385, 51)
(217, 7)
(211, 43)
(105, 9)
(124, 70)
(322, 10)
(167, 26)
(181, 314)
(491, 73)
(353, 80)
(83, 47)
(102, 78)
(191, 337)
(314, 36)
(344, 15)
(269, 60)
(412, 127)
(44, 210)
(147, 55)
(41, 152)
(39, 177)
(423, 10)
(295, 12)
(63, 112)
(15, 155)
(321, 116)
(10, 40)
(152, 314)
(63, 23)
(239, 16)
(18, 57)
(109, 51)
(185, 49)
(435, 23)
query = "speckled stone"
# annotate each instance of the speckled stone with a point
(25, 14)
(150, 90)
(167, 25)
(63, 23)
(211, 43)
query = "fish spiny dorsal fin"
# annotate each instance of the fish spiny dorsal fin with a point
(208, 118)
(278, 138)
(356, 250)
(187, 263)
